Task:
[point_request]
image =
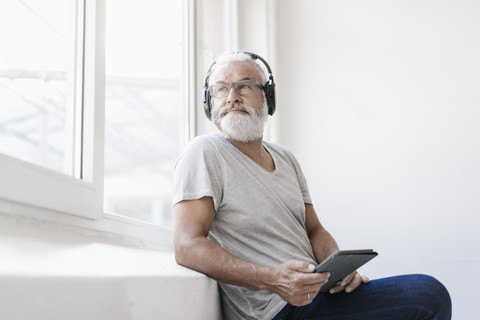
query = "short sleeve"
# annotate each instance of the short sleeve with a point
(195, 176)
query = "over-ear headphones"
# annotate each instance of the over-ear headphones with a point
(268, 88)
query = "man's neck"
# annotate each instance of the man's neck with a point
(255, 151)
(250, 148)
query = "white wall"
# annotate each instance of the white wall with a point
(380, 101)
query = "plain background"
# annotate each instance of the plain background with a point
(380, 102)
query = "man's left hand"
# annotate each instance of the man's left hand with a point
(350, 283)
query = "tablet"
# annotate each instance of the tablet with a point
(342, 263)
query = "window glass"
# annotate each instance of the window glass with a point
(36, 77)
(144, 106)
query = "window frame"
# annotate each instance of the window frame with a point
(32, 192)
(79, 194)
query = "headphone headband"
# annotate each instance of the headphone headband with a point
(269, 87)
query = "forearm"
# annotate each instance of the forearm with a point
(323, 243)
(204, 256)
(194, 250)
(293, 280)
(321, 240)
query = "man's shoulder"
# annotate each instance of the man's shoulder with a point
(209, 137)
(204, 145)
(205, 142)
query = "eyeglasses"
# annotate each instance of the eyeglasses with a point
(243, 88)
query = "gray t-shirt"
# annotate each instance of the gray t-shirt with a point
(260, 215)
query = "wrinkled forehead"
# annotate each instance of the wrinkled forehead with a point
(235, 71)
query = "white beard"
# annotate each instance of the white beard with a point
(243, 127)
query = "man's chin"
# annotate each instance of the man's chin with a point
(240, 126)
(240, 134)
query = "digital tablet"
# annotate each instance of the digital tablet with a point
(342, 263)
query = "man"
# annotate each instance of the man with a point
(243, 216)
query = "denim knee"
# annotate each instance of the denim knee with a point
(433, 295)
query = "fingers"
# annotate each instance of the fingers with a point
(365, 279)
(306, 298)
(310, 297)
(356, 281)
(345, 281)
(301, 266)
(296, 283)
(301, 273)
(311, 290)
(350, 283)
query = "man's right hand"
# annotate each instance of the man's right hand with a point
(296, 282)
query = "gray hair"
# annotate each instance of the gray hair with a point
(237, 56)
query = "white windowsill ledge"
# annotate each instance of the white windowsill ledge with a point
(49, 274)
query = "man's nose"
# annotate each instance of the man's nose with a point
(233, 96)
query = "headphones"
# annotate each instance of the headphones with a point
(268, 88)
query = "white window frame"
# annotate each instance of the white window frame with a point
(31, 192)
(37, 186)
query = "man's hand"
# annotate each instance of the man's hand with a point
(350, 283)
(296, 283)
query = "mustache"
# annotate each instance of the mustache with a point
(234, 106)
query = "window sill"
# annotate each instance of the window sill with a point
(65, 275)
(115, 228)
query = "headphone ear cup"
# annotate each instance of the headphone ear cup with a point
(207, 103)
(270, 96)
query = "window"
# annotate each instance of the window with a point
(144, 106)
(48, 110)
(93, 106)
(37, 78)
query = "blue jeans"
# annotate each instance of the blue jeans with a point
(408, 297)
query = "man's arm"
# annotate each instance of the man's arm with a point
(293, 281)
(324, 245)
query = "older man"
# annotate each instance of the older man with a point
(244, 216)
